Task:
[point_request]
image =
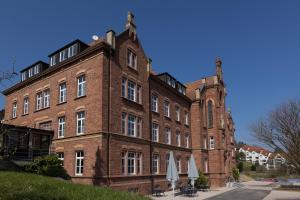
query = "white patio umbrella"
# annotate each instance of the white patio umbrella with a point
(172, 173)
(192, 170)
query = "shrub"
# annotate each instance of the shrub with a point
(253, 168)
(236, 174)
(48, 165)
(202, 180)
(240, 166)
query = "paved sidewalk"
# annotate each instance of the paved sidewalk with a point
(283, 195)
(200, 195)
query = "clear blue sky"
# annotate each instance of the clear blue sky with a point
(258, 41)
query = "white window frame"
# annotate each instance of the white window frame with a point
(186, 118)
(131, 125)
(46, 100)
(30, 72)
(81, 85)
(79, 163)
(168, 135)
(71, 51)
(187, 141)
(80, 129)
(131, 163)
(60, 156)
(63, 55)
(154, 103)
(61, 127)
(36, 69)
(178, 138)
(53, 60)
(177, 111)
(14, 110)
(131, 90)
(155, 132)
(39, 101)
(167, 108)
(131, 59)
(26, 106)
(155, 164)
(62, 92)
(23, 77)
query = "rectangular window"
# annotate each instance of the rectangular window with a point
(72, 50)
(80, 122)
(131, 59)
(186, 118)
(154, 103)
(61, 127)
(131, 163)
(39, 101)
(178, 140)
(63, 55)
(23, 77)
(177, 111)
(155, 164)
(46, 95)
(139, 127)
(30, 72)
(168, 135)
(46, 125)
(187, 141)
(81, 86)
(62, 92)
(124, 83)
(14, 110)
(178, 165)
(131, 125)
(124, 123)
(139, 94)
(61, 158)
(53, 60)
(123, 163)
(26, 106)
(167, 108)
(167, 161)
(131, 91)
(155, 132)
(79, 163)
(36, 69)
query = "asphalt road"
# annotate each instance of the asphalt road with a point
(242, 194)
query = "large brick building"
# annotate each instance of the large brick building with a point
(115, 120)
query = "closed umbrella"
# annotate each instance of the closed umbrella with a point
(192, 170)
(172, 173)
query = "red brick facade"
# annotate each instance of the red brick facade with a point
(117, 138)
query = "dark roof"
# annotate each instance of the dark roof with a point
(10, 126)
(43, 63)
(175, 91)
(166, 73)
(99, 46)
(68, 45)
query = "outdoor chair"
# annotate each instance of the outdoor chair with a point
(158, 191)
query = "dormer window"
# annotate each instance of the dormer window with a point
(30, 72)
(67, 51)
(36, 69)
(23, 78)
(33, 69)
(63, 55)
(131, 59)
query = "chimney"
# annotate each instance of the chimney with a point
(149, 65)
(110, 38)
(130, 25)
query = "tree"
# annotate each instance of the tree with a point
(280, 130)
(236, 174)
(240, 166)
(240, 156)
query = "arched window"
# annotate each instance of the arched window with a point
(210, 114)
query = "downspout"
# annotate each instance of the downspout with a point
(108, 119)
(150, 126)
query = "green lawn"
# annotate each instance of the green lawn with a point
(24, 186)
